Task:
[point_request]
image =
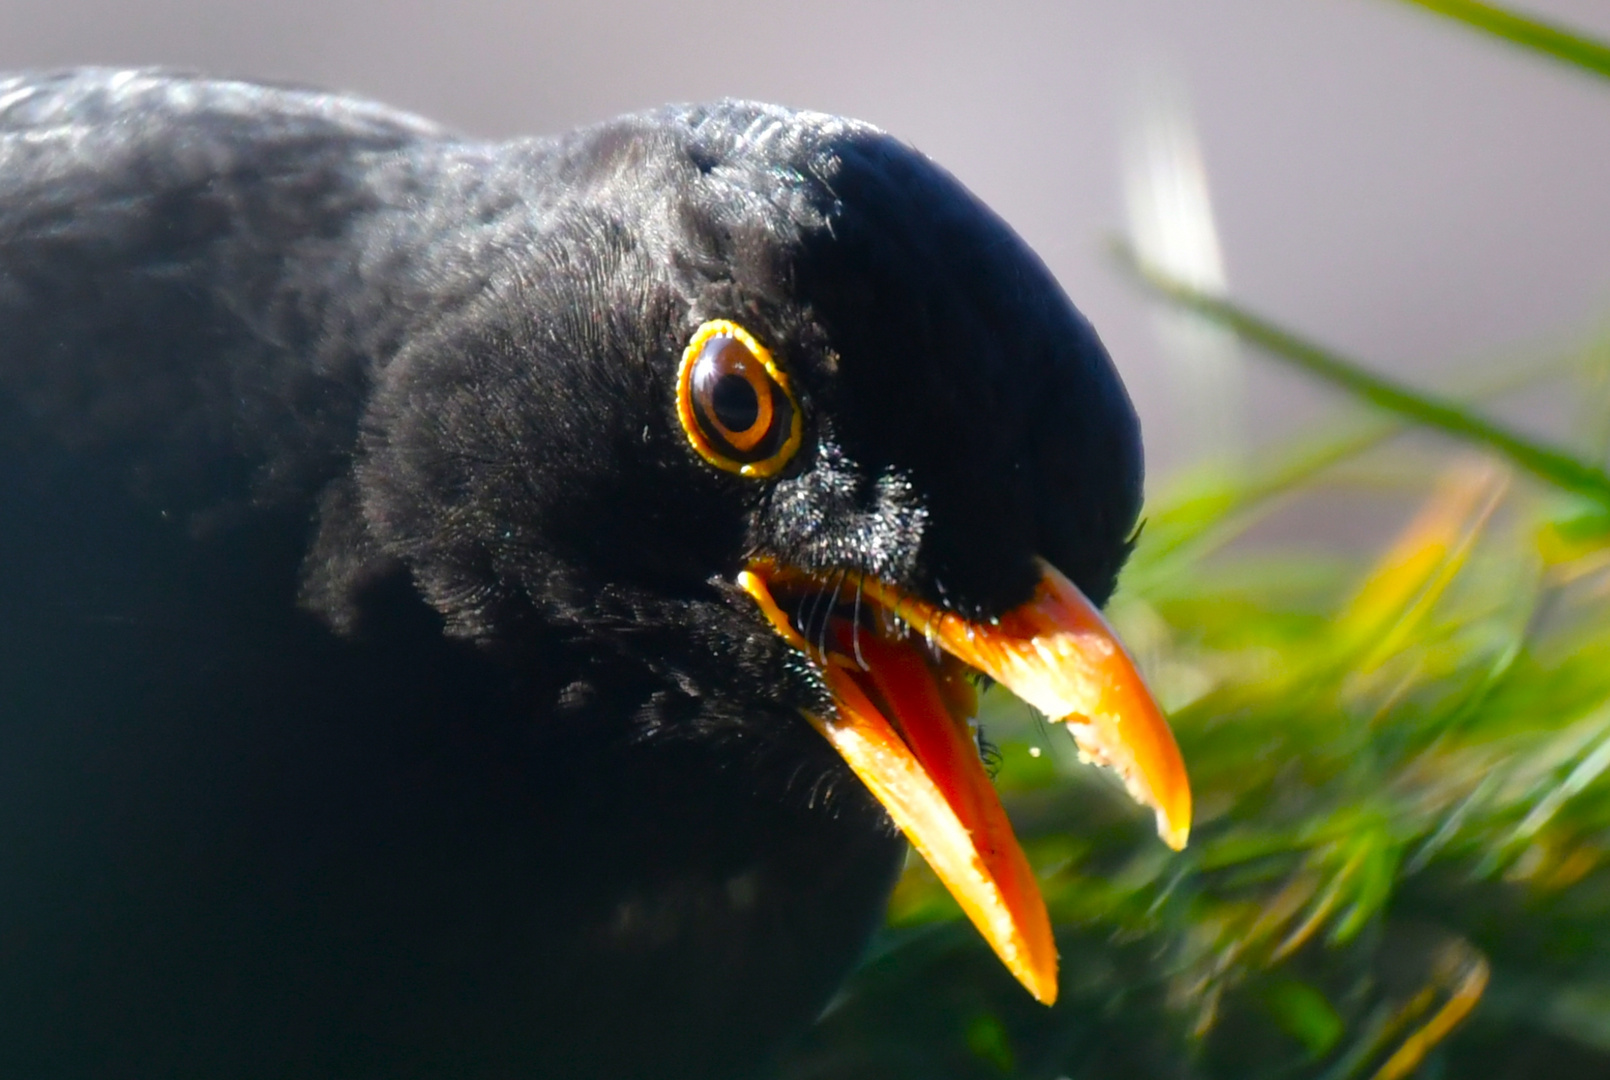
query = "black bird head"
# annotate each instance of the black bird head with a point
(800, 428)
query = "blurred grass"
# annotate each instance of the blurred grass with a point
(1401, 760)
(1551, 463)
(1551, 40)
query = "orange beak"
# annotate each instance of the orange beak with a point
(897, 666)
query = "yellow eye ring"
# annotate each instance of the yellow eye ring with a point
(734, 402)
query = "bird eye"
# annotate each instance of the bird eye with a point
(734, 402)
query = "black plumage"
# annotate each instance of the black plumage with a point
(375, 700)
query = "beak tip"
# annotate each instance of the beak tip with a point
(1174, 812)
(1034, 961)
(1175, 835)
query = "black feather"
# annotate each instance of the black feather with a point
(374, 701)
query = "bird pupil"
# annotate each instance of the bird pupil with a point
(735, 404)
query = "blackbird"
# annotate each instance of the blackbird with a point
(499, 609)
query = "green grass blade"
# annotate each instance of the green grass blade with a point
(1548, 462)
(1551, 40)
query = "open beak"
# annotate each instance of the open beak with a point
(897, 668)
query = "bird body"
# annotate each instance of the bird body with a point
(376, 697)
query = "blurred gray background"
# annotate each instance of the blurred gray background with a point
(1387, 181)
